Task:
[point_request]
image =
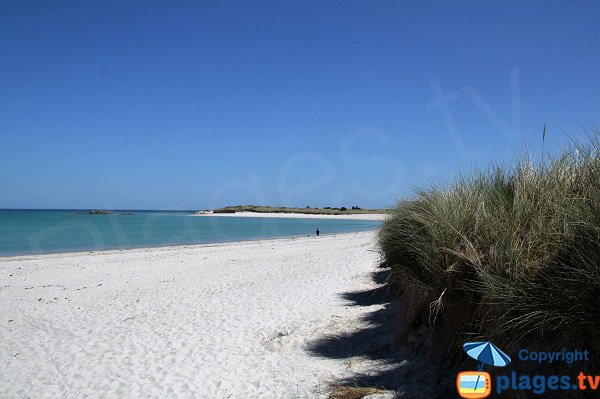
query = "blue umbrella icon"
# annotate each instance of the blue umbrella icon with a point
(486, 353)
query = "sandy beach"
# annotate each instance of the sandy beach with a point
(352, 216)
(216, 321)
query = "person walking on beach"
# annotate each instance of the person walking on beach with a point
(317, 232)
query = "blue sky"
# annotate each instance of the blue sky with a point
(189, 105)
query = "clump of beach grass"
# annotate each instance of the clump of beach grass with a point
(509, 254)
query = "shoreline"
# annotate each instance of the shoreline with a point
(356, 216)
(9, 258)
(218, 320)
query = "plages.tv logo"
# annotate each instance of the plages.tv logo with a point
(478, 384)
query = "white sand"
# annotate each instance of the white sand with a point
(353, 216)
(217, 321)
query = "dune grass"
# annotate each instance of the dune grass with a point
(511, 254)
(344, 392)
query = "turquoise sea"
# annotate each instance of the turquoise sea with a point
(24, 232)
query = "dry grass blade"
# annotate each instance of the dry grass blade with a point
(345, 392)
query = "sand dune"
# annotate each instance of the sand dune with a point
(217, 321)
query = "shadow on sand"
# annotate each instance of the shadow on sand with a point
(408, 360)
(379, 339)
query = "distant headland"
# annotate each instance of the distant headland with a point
(291, 210)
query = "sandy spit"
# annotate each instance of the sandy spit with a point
(356, 216)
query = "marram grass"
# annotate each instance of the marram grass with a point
(510, 254)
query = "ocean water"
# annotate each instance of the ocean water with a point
(25, 232)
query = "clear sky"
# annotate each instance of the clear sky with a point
(190, 105)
